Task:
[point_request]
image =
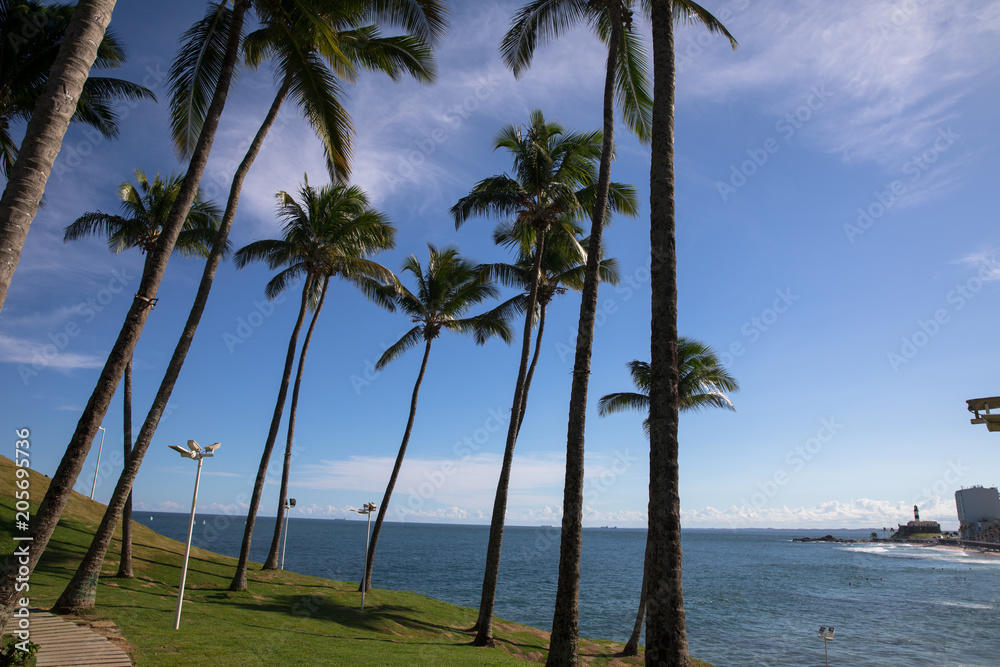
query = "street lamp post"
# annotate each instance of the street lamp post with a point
(196, 452)
(368, 508)
(984, 405)
(284, 537)
(98, 469)
(826, 634)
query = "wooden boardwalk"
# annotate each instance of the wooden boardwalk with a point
(64, 643)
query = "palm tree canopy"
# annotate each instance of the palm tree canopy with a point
(703, 383)
(447, 289)
(541, 21)
(314, 46)
(30, 36)
(554, 177)
(327, 232)
(144, 210)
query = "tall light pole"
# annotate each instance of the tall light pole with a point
(196, 452)
(98, 469)
(284, 537)
(826, 634)
(367, 508)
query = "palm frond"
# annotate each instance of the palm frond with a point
(622, 402)
(409, 339)
(194, 73)
(539, 21)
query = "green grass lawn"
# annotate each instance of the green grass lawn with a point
(282, 619)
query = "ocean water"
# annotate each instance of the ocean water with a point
(752, 597)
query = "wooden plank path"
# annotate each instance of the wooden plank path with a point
(64, 643)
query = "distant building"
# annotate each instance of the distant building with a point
(916, 527)
(978, 511)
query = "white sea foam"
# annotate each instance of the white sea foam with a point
(934, 553)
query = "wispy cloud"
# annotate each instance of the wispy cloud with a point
(854, 513)
(44, 355)
(891, 68)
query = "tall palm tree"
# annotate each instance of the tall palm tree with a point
(703, 383)
(76, 451)
(314, 46)
(201, 61)
(447, 289)
(554, 179)
(330, 233)
(666, 631)
(42, 140)
(627, 80)
(30, 36)
(144, 210)
(562, 268)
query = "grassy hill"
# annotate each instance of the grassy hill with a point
(282, 619)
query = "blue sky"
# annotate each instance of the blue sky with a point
(837, 244)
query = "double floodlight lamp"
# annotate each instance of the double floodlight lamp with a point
(196, 451)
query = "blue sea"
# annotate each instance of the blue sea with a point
(752, 597)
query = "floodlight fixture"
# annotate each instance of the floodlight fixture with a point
(981, 408)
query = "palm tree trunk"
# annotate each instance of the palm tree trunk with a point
(531, 368)
(239, 582)
(632, 645)
(366, 582)
(46, 129)
(272, 557)
(484, 623)
(564, 642)
(666, 633)
(125, 563)
(81, 591)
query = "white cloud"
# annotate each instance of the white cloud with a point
(855, 513)
(44, 355)
(890, 68)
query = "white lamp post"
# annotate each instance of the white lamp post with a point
(99, 450)
(826, 634)
(284, 537)
(368, 508)
(196, 452)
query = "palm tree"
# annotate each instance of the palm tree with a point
(30, 37)
(144, 209)
(627, 79)
(206, 53)
(554, 178)
(446, 290)
(704, 382)
(42, 140)
(69, 467)
(666, 631)
(330, 233)
(562, 268)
